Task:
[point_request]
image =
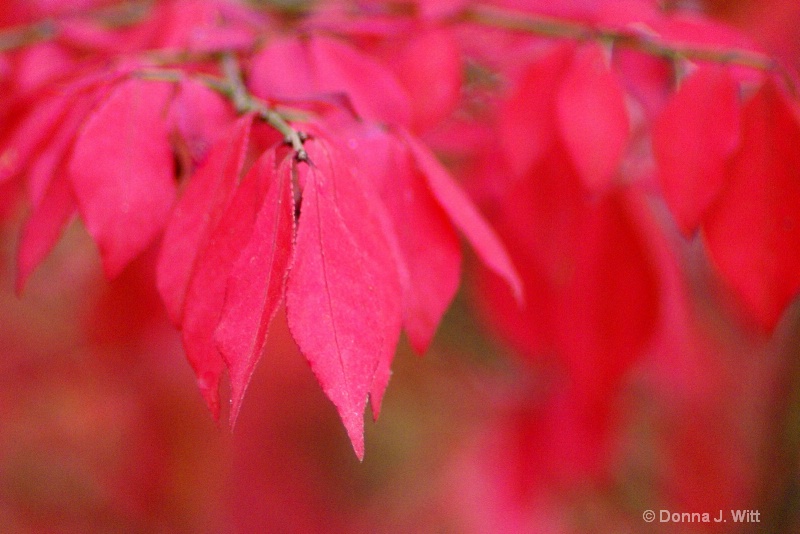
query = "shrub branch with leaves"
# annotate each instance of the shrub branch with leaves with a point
(290, 154)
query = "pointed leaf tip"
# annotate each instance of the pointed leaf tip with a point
(343, 297)
(593, 118)
(466, 217)
(752, 232)
(693, 140)
(255, 287)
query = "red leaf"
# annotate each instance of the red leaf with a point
(610, 306)
(592, 117)
(376, 94)
(53, 156)
(43, 228)
(753, 232)
(123, 173)
(30, 135)
(283, 69)
(693, 139)
(257, 281)
(206, 293)
(200, 115)
(429, 67)
(343, 295)
(195, 215)
(465, 216)
(428, 244)
(290, 69)
(50, 189)
(527, 119)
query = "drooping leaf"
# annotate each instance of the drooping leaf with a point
(343, 294)
(527, 119)
(429, 67)
(205, 297)
(29, 135)
(465, 216)
(610, 307)
(54, 154)
(693, 139)
(291, 69)
(753, 231)
(257, 280)
(201, 116)
(49, 185)
(122, 171)
(44, 226)
(429, 246)
(592, 117)
(195, 215)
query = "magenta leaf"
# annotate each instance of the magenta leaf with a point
(122, 171)
(693, 140)
(343, 294)
(429, 246)
(44, 226)
(592, 117)
(257, 280)
(465, 216)
(195, 215)
(753, 230)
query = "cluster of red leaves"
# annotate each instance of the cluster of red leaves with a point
(126, 119)
(102, 143)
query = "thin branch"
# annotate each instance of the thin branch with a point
(643, 42)
(116, 16)
(235, 89)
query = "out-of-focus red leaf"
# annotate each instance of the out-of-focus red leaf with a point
(465, 216)
(221, 39)
(40, 64)
(753, 231)
(590, 272)
(123, 173)
(439, 9)
(49, 187)
(30, 134)
(290, 57)
(375, 92)
(592, 117)
(290, 69)
(429, 67)
(43, 228)
(610, 307)
(429, 245)
(527, 119)
(200, 115)
(343, 295)
(648, 79)
(53, 155)
(693, 140)
(195, 215)
(257, 281)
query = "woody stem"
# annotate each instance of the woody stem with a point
(235, 89)
(638, 40)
